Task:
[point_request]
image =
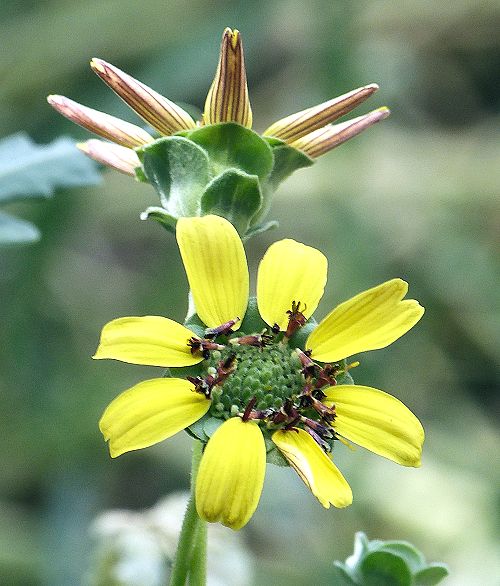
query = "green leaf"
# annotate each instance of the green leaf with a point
(30, 170)
(431, 575)
(389, 563)
(234, 195)
(178, 169)
(160, 215)
(230, 145)
(287, 160)
(16, 231)
(382, 568)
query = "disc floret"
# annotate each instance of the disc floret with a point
(262, 377)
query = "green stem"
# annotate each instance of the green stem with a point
(190, 558)
(198, 575)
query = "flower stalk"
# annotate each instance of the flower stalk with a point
(190, 558)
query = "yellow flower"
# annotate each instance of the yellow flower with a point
(258, 390)
(310, 130)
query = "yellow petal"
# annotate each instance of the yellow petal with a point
(297, 125)
(290, 271)
(114, 129)
(162, 114)
(112, 155)
(371, 320)
(314, 467)
(327, 138)
(227, 99)
(231, 474)
(151, 340)
(377, 421)
(216, 268)
(149, 413)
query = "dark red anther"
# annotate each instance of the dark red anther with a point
(194, 344)
(261, 414)
(279, 417)
(248, 408)
(257, 340)
(222, 330)
(202, 385)
(310, 368)
(307, 390)
(225, 368)
(327, 413)
(326, 376)
(319, 428)
(275, 329)
(296, 319)
(203, 346)
(291, 425)
(319, 440)
(289, 409)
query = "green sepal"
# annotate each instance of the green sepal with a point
(194, 323)
(260, 228)
(160, 215)
(230, 145)
(179, 170)
(389, 563)
(273, 455)
(344, 378)
(204, 428)
(299, 339)
(139, 175)
(431, 575)
(287, 160)
(16, 231)
(234, 195)
(252, 322)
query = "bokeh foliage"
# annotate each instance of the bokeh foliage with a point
(416, 197)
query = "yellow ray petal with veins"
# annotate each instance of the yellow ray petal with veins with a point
(371, 320)
(151, 412)
(151, 340)
(297, 125)
(155, 109)
(227, 99)
(216, 268)
(290, 271)
(231, 474)
(320, 141)
(378, 422)
(114, 129)
(314, 467)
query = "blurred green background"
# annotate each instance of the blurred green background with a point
(416, 197)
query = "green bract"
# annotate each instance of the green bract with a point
(387, 563)
(223, 169)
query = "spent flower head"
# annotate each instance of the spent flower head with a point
(210, 165)
(260, 379)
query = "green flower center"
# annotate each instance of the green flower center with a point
(271, 374)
